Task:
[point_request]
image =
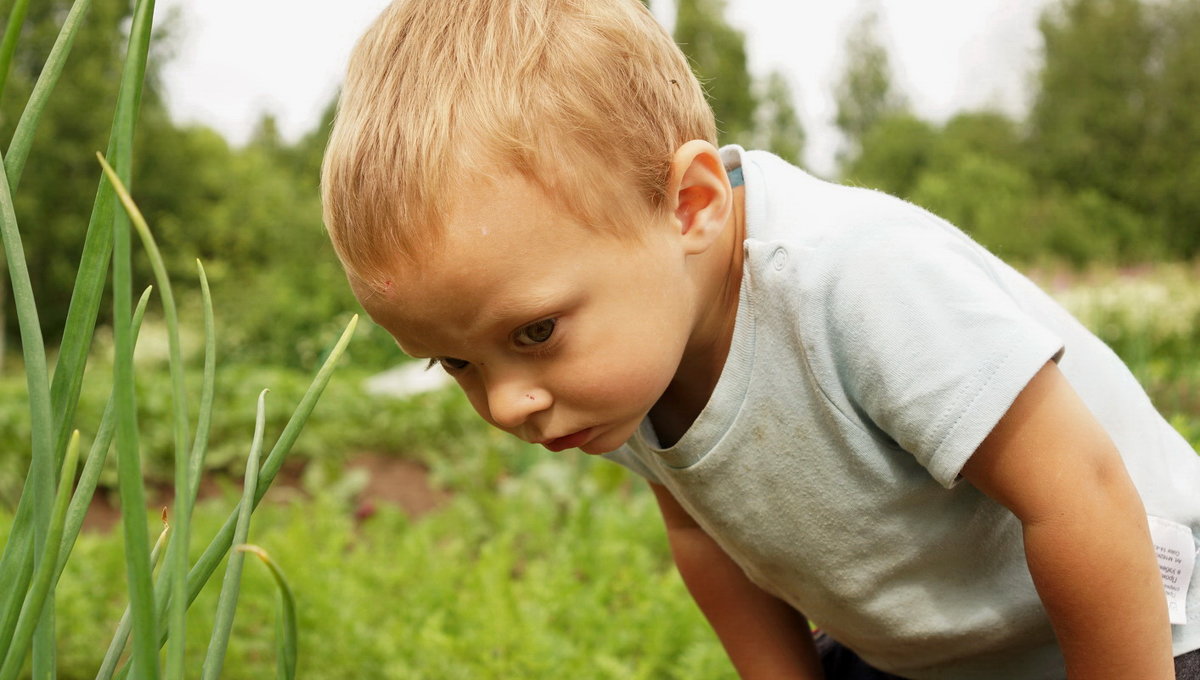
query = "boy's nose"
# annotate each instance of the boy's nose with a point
(511, 403)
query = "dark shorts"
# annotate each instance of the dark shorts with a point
(840, 663)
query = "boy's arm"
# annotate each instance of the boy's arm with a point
(764, 637)
(1086, 536)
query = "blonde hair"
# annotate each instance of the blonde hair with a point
(588, 99)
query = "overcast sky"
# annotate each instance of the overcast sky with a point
(235, 59)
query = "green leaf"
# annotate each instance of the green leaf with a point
(17, 581)
(16, 19)
(121, 637)
(32, 525)
(95, 460)
(207, 564)
(18, 149)
(207, 390)
(227, 604)
(43, 577)
(285, 618)
(177, 558)
(131, 485)
(219, 545)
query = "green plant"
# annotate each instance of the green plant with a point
(521, 579)
(47, 522)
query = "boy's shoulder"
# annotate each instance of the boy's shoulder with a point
(896, 313)
(786, 203)
(836, 230)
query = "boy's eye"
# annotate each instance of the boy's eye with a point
(535, 333)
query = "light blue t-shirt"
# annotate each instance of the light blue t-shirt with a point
(875, 347)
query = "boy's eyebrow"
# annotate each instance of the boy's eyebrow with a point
(530, 304)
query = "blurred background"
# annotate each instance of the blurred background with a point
(1062, 134)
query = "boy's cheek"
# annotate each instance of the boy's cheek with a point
(479, 403)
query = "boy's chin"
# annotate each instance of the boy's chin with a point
(610, 440)
(595, 449)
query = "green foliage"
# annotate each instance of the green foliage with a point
(1172, 166)
(973, 172)
(256, 222)
(60, 179)
(524, 580)
(252, 214)
(42, 535)
(865, 94)
(986, 133)
(717, 52)
(1115, 110)
(755, 114)
(1089, 117)
(1150, 316)
(777, 126)
(895, 152)
(1088, 226)
(986, 197)
(1144, 315)
(285, 619)
(1102, 171)
(438, 428)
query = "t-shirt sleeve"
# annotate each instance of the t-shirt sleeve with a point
(925, 342)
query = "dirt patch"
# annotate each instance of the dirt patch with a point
(103, 513)
(395, 481)
(390, 481)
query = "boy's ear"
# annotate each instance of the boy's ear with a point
(700, 194)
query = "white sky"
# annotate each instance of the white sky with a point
(235, 59)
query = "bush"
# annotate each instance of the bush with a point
(523, 580)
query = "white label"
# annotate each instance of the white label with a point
(1176, 558)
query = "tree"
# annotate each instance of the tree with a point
(61, 176)
(894, 153)
(252, 215)
(717, 52)
(1172, 166)
(777, 127)
(865, 94)
(1115, 113)
(305, 156)
(987, 133)
(753, 113)
(1088, 120)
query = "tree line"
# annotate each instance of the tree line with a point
(1103, 167)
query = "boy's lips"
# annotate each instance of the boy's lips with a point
(568, 442)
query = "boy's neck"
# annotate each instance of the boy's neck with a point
(719, 279)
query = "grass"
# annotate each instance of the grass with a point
(562, 571)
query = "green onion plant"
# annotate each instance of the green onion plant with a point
(53, 502)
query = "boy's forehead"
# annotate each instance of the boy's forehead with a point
(418, 318)
(427, 315)
(504, 251)
(493, 263)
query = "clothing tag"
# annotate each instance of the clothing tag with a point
(1176, 558)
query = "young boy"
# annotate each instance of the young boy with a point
(849, 412)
